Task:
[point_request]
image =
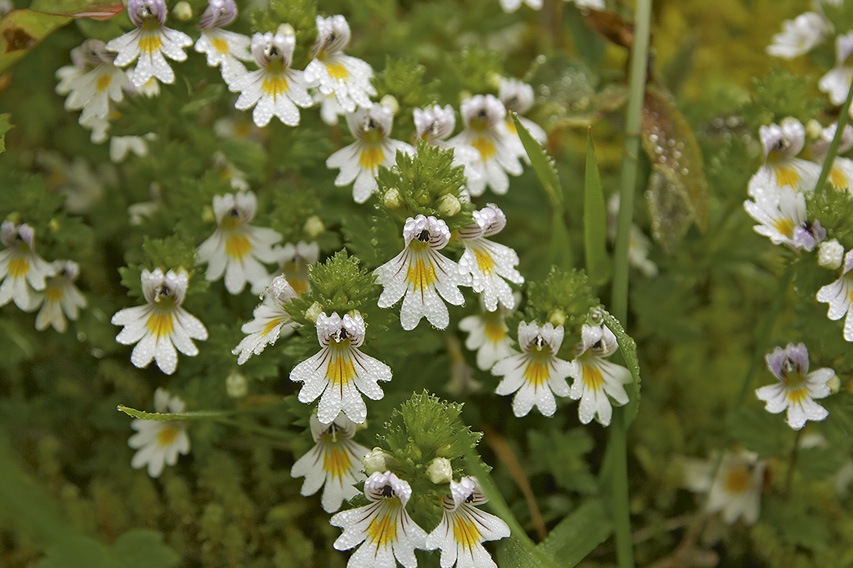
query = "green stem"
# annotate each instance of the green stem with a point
(829, 159)
(792, 464)
(618, 445)
(251, 427)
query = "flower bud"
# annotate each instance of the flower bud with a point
(314, 226)
(440, 471)
(285, 30)
(313, 312)
(557, 317)
(449, 205)
(390, 102)
(830, 254)
(183, 11)
(236, 385)
(834, 384)
(392, 199)
(814, 129)
(374, 461)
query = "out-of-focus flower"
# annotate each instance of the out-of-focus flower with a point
(513, 5)
(488, 335)
(158, 444)
(799, 36)
(839, 296)
(92, 82)
(517, 96)
(841, 173)
(781, 213)
(22, 271)
(836, 82)
(735, 491)
(295, 260)
(61, 298)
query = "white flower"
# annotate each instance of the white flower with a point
(797, 388)
(330, 108)
(585, 4)
(517, 97)
(434, 125)
(830, 254)
(736, 489)
(122, 146)
(22, 271)
(781, 212)
(335, 461)
(422, 275)
(340, 371)
(384, 526)
(464, 528)
(489, 337)
(597, 381)
(61, 298)
(159, 443)
(334, 72)
(372, 148)
(839, 296)
(162, 325)
(237, 249)
(490, 264)
(513, 5)
(536, 373)
(499, 149)
(223, 48)
(781, 144)
(295, 260)
(149, 42)
(836, 82)
(841, 173)
(270, 322)
(274, 89)
(92, 82)
(799, 36)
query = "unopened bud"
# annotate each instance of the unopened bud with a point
(207, 215)
(314, 226)
(390, 102)
(493, 81)
(830, 254)
(440, 471)
(286, 30)
(449, 205)
(183, 11)
(236, 385)
(392, 199)
(374, 461)
(557, 317)
(313, 312)
(814, 130)
(834, 384)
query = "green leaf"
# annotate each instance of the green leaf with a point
(594, 220)
(143, 548)
(762, 432)
(628, 348)
(175, 416)
(5, 126)
(542, 164)
(578, 534)
(76, 552)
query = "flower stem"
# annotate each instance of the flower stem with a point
(618, 445)
(792, 464)
(829, 159)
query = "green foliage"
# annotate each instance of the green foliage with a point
(564, 298)
(426, 184)
(406, 80)
(563, 455)
(5, 126)
(833, 208)
(594, 219)
(474, 70)
(578, 534)
(779, 94)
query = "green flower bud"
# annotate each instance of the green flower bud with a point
(449, 205)
(314, 226)
(183, 11)
(392, 199)
(390, 102)
(313, 312)
(375, 461)
(440, 471)
(236, 385)
(557, 317)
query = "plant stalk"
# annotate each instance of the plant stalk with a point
(829, 159)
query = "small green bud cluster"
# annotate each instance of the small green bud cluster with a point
(564, 298)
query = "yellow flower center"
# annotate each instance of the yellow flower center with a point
(510, 125)
(103, 82)
(271, 325)
(237, 246)
(838, 179)
(371, 157)
(420, 273)
(337, 71)
(274, 85)
(787, 175)
(485, 262)
(795, 387)
(485, 146)
(465, 532)
(341, 369)
(160, 323)
(592, 378)
(536, 372)
(495, 331)
(382, 529)
(737, 479)
(53, 293)
(785, 227)
(336, 461)
(149, 43)
(220, 45)
(18, 267)
(166, 436)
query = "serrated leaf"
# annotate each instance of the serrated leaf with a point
(542, 164)
(678, 190)
(594, 220)
(578, 534)
(175, 416)
(628, 349)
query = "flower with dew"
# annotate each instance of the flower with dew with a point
(359, 162)
(464, 527)
(490, 264)
(781, 214)
(434, 125)
(513, 5)
(340, 372)
(271, 321)
(295, 260)
(333, 462)
(799, 36)
(162, 324)
(839, 296)
(596, 380)
(797, 388)
(499, 149)
(237, 249)
(383, 528)
(158, 444)
(22, 271)
(92, 81)
(149, 43)
(61, 298)
(333, 72)
(274, 89)
(535, 374)
(836, 82)
(488, 335)
(735, 490)
(517, 97)
(781, 143)
(223, 49)
(424, 276)
(841, 173)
